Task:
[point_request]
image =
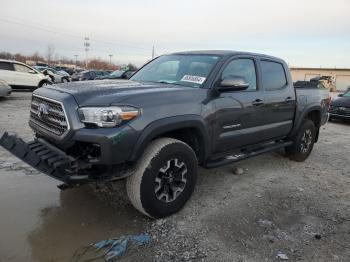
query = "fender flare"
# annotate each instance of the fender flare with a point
(303, 114)
(168, 124)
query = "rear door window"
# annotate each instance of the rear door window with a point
(6, 66)
(22, 68)
(273, 75)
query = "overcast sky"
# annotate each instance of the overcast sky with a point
(303, 32)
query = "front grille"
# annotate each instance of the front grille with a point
(339, 110)
(48, 115)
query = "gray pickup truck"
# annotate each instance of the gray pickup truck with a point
(206, 108)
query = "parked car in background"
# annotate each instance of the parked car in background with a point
(70, 71)
(56, 76)
(84, 75)
(101, 73)
(340, 107)
(118, 74)
(41, 64)
(21, 76)
(63, 73)
(5, 89)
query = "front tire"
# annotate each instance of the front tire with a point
(303, 142)
(164, 178)
(43, 84)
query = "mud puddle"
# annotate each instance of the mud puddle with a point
(40, 223)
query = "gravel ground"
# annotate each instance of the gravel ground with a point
(275, 206)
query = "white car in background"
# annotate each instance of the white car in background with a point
(21, 76)
(56, 76)
(5, 89)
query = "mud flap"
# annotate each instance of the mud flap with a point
(40, 156)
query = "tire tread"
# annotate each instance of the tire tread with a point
(133, 183)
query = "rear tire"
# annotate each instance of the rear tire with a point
(164, 178)
(303, 142)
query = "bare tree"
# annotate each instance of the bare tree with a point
(6, 55)
(36, 57)
(20, 58)
(57, 58)
(49, 53)
(100, 64)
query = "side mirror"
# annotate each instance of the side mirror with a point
(32, 72)
(233, 83)
(340, 95)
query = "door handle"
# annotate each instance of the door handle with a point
(288, 99)
(257, 102)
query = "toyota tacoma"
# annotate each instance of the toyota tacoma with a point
(206, 108)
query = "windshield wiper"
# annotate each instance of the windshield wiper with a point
(169, 83)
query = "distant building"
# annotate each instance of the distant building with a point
(341, 76)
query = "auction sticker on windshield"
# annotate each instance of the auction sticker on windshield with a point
(193, 79)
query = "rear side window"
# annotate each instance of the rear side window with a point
(22, 68)
(6, 66)
(273, 75)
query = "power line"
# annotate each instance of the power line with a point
(44, 28)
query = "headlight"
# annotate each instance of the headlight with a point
(107, 116)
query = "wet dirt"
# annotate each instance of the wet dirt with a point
(276, 205)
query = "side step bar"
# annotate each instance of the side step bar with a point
(246, 154)
(41, 156)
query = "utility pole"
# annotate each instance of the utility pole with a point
(87, 47)
(153, 52)
(76, 61)
(110, 59)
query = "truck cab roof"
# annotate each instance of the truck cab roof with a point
(224, 53)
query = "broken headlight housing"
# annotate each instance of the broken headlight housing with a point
(107, 116)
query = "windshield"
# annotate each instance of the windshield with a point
(186, 70)
(52, 70)
(347, 94)
(117, 73)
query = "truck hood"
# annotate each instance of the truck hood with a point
(341, 101)
(109, 92)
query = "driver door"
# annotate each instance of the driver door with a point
(238, 113)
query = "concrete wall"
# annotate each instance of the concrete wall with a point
(341, 76)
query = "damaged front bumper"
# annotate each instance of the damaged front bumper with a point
(55, 163)
(44, 157)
